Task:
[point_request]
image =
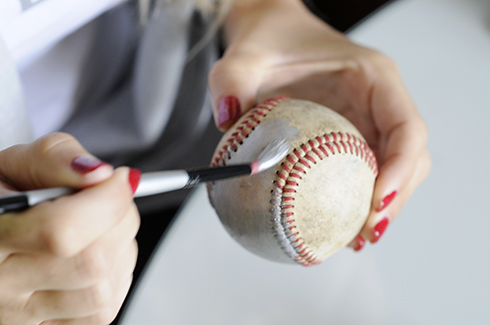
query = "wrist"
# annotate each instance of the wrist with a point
(247, 13)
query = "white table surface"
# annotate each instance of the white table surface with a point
(431, 266)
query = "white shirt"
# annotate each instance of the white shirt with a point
(29, 26)
(36, 34)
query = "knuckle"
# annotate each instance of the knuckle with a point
(57, 239)
(100, 296)
(377, 62)
(92, 264)
(43, 150)
(217, 70)
(224, 67)
(46, 143)
(58, 245)
(107, 315)
(381, 60)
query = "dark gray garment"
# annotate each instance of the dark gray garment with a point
(140, 103)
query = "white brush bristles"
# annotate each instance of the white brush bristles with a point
(272, 154)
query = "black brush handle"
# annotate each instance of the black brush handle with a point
(203, 175)
(13, 203)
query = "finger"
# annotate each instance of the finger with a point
(420, 174)
(65, 226)
(104, 317)
(97, 299)
(405, 145)
(378, 221)
(28, 272)
(57, 159)
(357, 243)
(98, 260)
(233, 82)
(403, 134)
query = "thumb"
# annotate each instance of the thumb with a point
(234, 82)
(57, 159)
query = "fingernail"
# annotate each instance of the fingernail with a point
(380, 228)
(360, 243)
(387, 200)
(86, 164)
(229, 110)
(134, 179)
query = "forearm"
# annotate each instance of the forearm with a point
(247, 15)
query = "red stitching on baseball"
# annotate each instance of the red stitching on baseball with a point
(286, 168)
(310, 159)
(304, 163)
(281, 175)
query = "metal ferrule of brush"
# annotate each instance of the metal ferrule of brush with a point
(160, 182)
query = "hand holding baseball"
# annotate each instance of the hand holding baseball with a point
(277, 47)
(70, 260)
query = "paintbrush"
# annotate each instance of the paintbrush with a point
(162, 181)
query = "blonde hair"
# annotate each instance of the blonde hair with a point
(214, 7)
(213, 10)
(216, 10)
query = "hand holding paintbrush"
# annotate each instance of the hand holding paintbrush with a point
(56, 256)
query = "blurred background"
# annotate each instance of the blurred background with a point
(430, 267)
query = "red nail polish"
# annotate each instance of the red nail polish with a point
(229, 110)
(86, 164)
(380, 228)
(387, 200)
(134, 179)
(360, 243)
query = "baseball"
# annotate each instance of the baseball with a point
(311, 204)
